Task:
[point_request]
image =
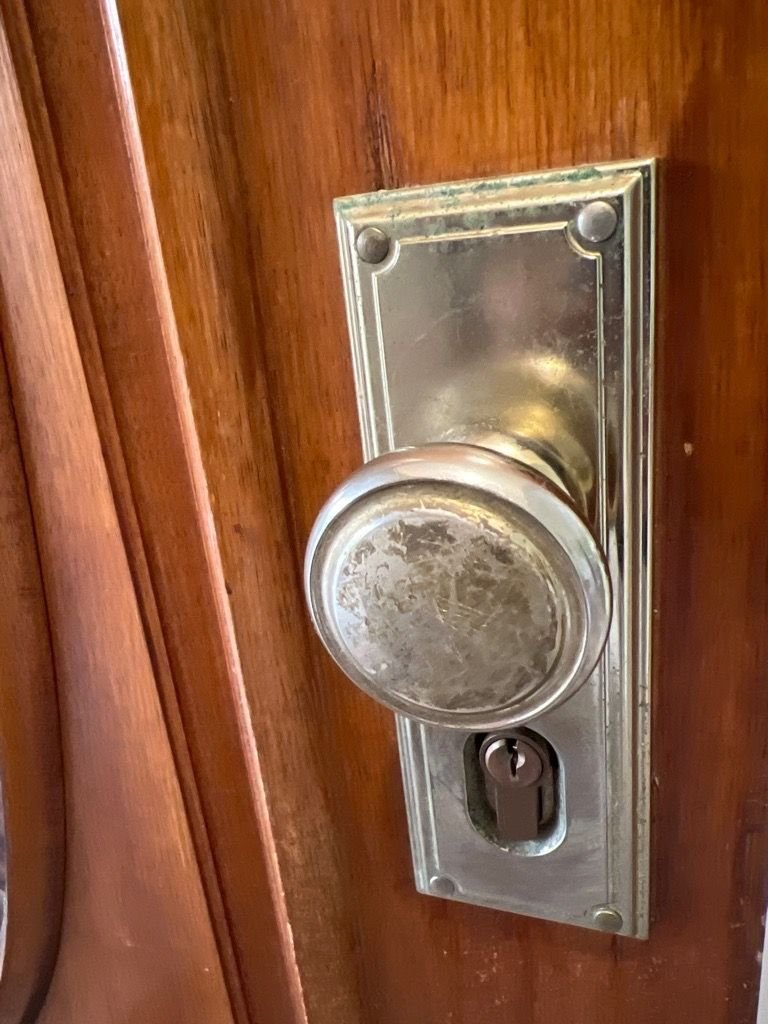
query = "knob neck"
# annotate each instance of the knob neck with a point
(527, 453)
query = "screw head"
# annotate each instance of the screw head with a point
(597, 221)
(372, 245)
(607, 919)
(442, 885)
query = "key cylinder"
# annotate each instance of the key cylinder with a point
(518, 777)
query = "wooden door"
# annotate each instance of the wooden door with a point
(186, 153)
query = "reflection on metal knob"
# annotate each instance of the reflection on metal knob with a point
(458, 586)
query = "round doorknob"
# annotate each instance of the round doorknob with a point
(458, 585)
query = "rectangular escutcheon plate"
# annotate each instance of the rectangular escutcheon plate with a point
(509, 307)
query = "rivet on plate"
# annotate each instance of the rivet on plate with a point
(372, 245)
(597, 221)
(607, 919)
(442, 885)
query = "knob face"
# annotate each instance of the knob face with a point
(457, 586)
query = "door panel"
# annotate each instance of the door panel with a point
(252, 117)
(275, 109)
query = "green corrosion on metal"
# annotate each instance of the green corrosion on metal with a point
(452, 193)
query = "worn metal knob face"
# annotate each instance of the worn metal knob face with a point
(458, 586)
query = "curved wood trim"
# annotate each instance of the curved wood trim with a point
(30, 744)
(103, 220)
(30, 749)
(136, 936)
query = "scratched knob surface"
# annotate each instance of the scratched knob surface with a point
(458, 586)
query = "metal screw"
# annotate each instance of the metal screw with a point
(442, 885)
(607, 919)
(372, 245)
(597, 221)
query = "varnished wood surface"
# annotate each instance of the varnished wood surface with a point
(211, 270)
(136, 939)
(105, 232)
(30, 750)
(253, 117)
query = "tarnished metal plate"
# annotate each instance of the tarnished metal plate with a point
(522, 307)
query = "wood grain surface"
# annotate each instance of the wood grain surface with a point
(253, 117)
(136, 940)
(105, 231)
(30, 748)
(205, 734)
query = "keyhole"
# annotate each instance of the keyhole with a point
(514, 766)
(516, 758)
